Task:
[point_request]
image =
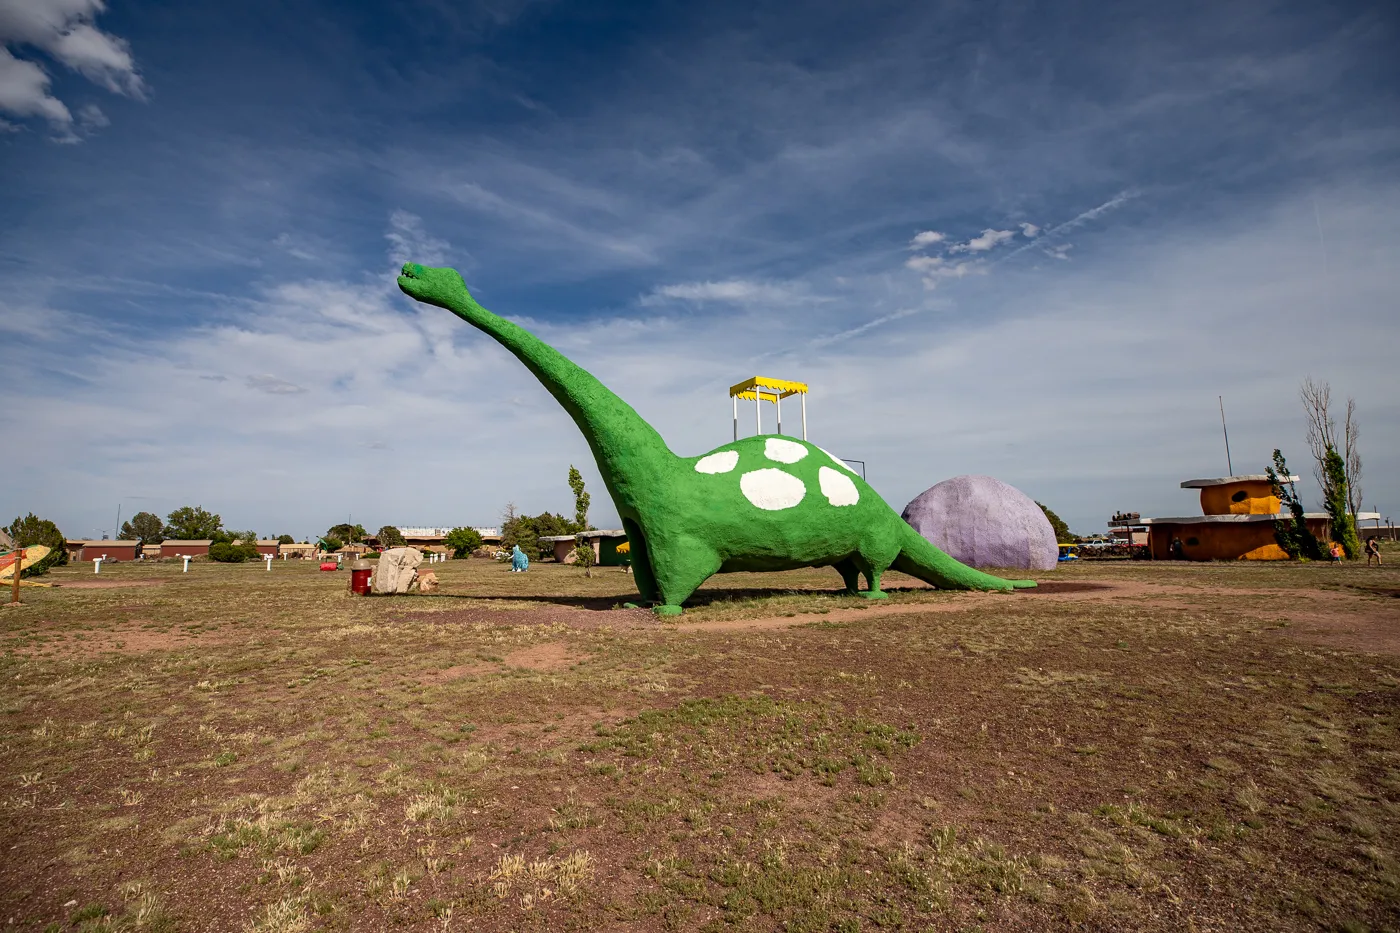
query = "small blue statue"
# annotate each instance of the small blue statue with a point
(519, 563)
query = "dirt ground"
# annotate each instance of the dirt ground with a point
(1127, 747)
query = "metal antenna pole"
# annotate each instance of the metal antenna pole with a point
(1228, 465)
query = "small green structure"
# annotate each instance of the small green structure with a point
(758, 504)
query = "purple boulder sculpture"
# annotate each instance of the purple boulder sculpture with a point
(983, 522)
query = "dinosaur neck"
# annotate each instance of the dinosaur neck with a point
(628, 449)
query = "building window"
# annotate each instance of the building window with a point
(1239, 496)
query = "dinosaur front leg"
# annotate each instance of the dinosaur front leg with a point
(642, 574)
(679, 567)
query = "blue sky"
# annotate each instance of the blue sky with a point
(1030, 240)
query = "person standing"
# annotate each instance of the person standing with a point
(1373, 551)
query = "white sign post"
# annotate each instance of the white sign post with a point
(97, 563)
(186, 559)
(268, 558)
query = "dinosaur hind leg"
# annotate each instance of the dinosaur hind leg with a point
(679, 568)
(873, 561)
(850, 574)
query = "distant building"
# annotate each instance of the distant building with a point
(432, 538)
(107, 550)
(185, 547)
(295, 551)
(1237, 522)
(267, 548)
(603, 541)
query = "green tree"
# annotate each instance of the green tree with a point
(462, 541)
(526, 531)
(1062, 533)
(286, 539)
(389, 536)
(145, 527)
(1336, 501)
(350, 534)
(192, 523)
(1292, 534)
(581, 499)
(32, 530)
(331, 543)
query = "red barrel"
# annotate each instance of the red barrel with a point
(330, 565)
(360, 572)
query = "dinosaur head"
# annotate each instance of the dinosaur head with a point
(441, 287)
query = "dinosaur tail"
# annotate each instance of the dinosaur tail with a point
(920, 559)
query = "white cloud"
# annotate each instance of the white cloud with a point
(409, 242)
(63, 29)
(737, 291)
(1029, 230)
(1058, 251)
(981, 244)
(24, 92)
(925, 239)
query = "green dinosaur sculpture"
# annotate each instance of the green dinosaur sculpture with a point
(760, 503)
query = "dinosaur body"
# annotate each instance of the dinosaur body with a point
(760, 503)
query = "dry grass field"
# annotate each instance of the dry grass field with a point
(1131, 747)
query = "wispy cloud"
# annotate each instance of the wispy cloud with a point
(733, 291)
(409, 242)
(989, 239)
(272, 385)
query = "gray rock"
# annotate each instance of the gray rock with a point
(984, 522)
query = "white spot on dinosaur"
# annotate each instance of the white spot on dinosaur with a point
(837, 460)
(722, 462)
(775, 448)
(772, 490)
(837, 487)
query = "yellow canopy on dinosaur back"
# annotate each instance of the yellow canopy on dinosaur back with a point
(31, 556)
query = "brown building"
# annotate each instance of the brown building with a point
(1237, 522)
(107, 550)
(297, 551)
(185, 547)
(150, 551)
(267, 548)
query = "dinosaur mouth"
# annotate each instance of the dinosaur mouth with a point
(410, 274)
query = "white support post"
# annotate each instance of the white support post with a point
(186, 559)
(735, 400)
(778, 401)
(268, 558)
(804, 416)
(758, 411)
(97, 563)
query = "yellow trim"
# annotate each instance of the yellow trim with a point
(751, 389)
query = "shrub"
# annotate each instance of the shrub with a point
(232, 553)
(583, 557)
